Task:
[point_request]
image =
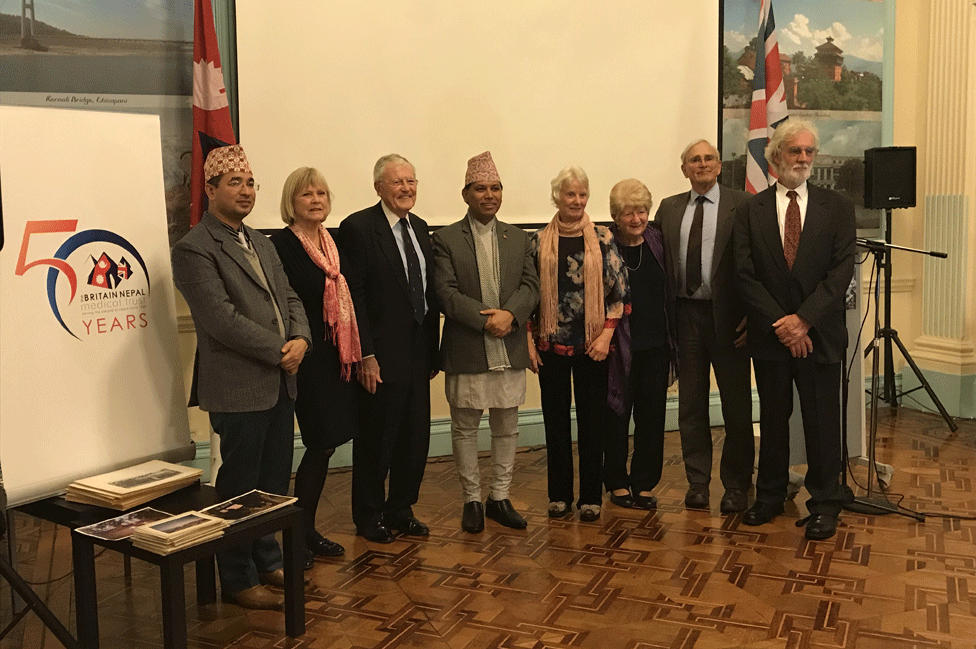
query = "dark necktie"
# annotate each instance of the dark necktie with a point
(791, 230)
(413, 273)
(693, 267)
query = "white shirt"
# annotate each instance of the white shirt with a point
(783, 201)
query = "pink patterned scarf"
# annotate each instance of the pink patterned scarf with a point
(337, 309)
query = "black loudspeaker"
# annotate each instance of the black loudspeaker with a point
(889, 177)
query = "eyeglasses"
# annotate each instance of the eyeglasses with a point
(400, 183)
(238, 183)
(633, 211)
(702, 158)
(797, 150)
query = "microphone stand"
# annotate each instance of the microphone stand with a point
(882, 252)
(870, 504)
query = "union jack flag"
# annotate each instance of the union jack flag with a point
(124, 271)
(768, 102)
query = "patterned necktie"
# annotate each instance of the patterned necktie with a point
(791, 231)
(693, 267)
(413, 273)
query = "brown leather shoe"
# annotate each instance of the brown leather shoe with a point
(257, 597)
(277, 578)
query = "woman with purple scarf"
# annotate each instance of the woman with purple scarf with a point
(643, 359)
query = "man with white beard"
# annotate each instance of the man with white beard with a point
(794, 249)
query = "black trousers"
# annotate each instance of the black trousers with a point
(392, 443)
(818, 386)
(594, 419)
(647, 397)
(256, 453)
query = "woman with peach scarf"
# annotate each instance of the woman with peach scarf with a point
(583, 286)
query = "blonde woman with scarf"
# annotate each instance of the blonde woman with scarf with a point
(325, 392)
(583, 289)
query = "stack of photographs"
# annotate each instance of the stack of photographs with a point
(162, 533)
(177, 532)
(133, 486)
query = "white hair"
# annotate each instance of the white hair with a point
(391, 158)
(785, 132)
(567, 175)
(684, 154)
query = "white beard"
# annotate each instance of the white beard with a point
(794, 176)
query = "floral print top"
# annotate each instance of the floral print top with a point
(570, 336)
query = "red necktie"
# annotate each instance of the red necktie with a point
(791, 231)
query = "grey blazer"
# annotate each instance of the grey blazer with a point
(238, 344)
(727, 308)
(458, 287)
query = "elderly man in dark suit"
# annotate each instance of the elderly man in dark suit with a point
(711, 325)
(390, 275)
(488, 287)
(794, 245)
(251, 336)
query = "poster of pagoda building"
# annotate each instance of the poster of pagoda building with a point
(832, 58)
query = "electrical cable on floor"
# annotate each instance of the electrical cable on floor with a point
(64, 576)
(855, 355)
(896, 507)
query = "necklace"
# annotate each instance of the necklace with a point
(640, 258)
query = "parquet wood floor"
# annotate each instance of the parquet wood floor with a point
(666, 579)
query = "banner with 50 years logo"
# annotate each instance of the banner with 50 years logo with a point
(90, 371)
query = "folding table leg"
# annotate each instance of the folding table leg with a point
(206, 582)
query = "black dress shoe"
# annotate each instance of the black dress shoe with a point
(761, 513)
(501, 511)
(473, 517)
(377, 533)
(697, 497)
(645, 502)
(627, 500)
(323, 547)
(734, 501)
(409, 526)
(821, 527)
(308, 561)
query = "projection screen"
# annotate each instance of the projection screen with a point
(618, 88)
